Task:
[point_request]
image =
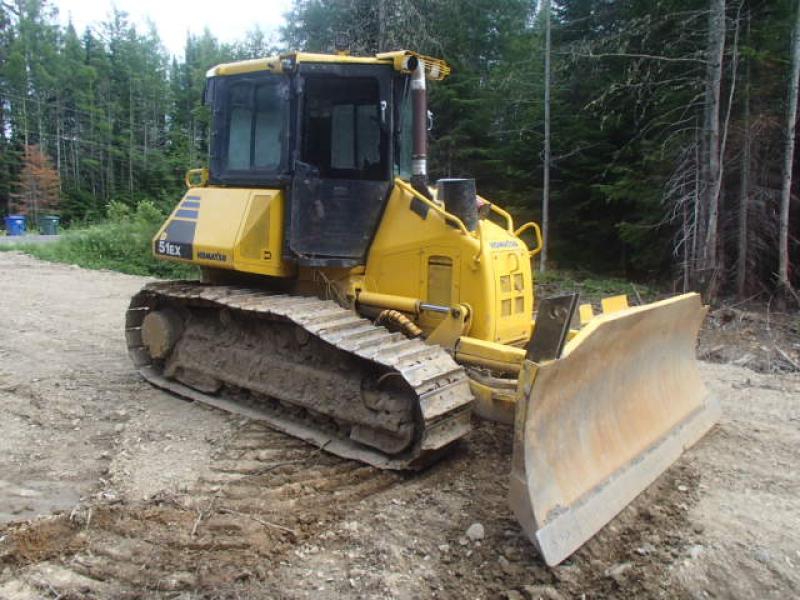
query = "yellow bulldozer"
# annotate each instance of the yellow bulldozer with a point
(350, 302)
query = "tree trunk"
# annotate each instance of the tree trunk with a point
(25, 95)
(144, 129)
(686, 246)
(110, 180)
(382, 26)
(719, 261)
(546, 174)
(788, 160)
(716, 48)
(192, 143)
(691, 269)
(744, 183)
(42, 142)
(58, 140)
(130, 139)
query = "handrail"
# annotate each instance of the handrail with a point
(499, 211)
(444, 214)
(537, 232)
(202, 173)
(477, 258)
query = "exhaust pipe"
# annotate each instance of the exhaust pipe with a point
(419, 123)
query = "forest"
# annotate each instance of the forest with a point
(661, 133)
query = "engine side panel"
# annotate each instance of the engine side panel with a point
(227, 228)
(417, 254)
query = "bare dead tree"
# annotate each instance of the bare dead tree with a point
(744, 181)
(788, 161)
(546, 175)
(716, 49)
(681, 195)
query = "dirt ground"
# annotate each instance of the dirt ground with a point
(112, 489)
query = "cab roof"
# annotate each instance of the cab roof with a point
(435, 68)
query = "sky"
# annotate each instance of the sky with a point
(228, 20)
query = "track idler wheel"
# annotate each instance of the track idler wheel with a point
(161, 329)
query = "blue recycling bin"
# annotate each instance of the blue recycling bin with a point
(15, 224)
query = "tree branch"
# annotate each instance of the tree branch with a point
(635, 55)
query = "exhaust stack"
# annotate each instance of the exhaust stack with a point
(419, 105)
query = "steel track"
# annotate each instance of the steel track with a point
(439, 384)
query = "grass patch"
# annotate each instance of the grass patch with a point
(123, 244)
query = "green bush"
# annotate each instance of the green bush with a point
(122, 243)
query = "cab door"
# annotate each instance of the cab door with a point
(342, 174)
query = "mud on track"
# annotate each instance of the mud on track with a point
(111, 489)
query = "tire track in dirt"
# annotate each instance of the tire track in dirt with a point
(266, 493)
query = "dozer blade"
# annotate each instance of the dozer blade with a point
(595, 427)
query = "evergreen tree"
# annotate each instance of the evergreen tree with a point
(119, 120)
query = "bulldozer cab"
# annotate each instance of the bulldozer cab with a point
(332, 135)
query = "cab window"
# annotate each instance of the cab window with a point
(255, 126)
(343, 134)
(250, 136)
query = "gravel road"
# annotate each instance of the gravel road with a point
(112, 489)
(11, 240)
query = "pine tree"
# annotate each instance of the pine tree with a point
(119, 119)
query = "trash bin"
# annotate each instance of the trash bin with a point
(15, 224)
(48, 225)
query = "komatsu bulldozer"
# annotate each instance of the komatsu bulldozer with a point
(350, 302)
